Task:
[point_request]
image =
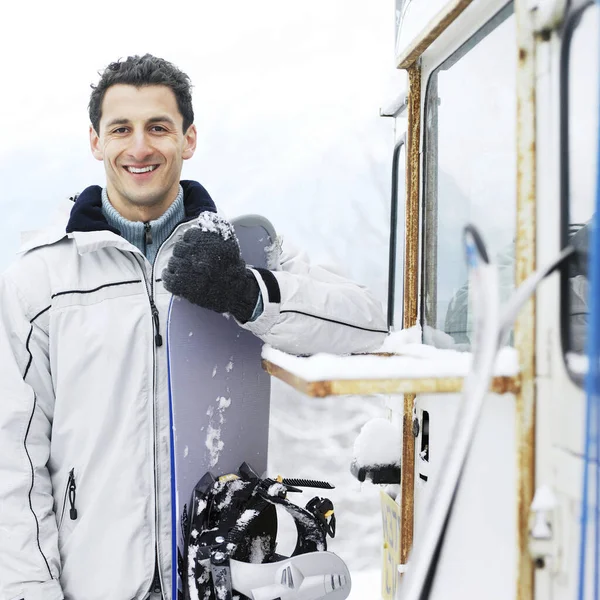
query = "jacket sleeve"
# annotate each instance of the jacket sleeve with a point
(309, 309)
(29, 558)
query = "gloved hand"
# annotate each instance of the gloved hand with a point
(207, 269)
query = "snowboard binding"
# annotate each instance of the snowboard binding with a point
(230, 537)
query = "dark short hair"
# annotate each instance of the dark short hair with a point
(141, 71)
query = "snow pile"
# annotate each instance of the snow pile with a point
(366, 585)
(259, 549)
(411, 361)
(440, 339)
(213, 440)
(277, 489)
(209, 221)
(273, 253)
(247, 516)
(214, 443)
(201, 507)
(397, 340)
(224, 402)
(234, 486)
(378, 444)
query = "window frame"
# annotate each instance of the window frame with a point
(572, 20)
(393, 257)
(429, 229)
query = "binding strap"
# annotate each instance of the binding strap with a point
(235, 517)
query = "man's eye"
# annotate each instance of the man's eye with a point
(120, 130)
(158, 128)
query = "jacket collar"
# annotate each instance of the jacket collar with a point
(87, 216)
(91, 231)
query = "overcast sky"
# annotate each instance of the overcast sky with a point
(286, 99)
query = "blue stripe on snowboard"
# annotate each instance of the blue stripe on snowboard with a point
(174, 566)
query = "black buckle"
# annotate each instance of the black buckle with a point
(322, 509)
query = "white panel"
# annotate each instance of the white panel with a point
(480, 553)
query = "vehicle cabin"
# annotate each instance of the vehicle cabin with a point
(498, 127)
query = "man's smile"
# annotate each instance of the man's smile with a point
(142, 172)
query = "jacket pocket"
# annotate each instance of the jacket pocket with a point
(69, 498)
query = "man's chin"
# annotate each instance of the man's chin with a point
(146, 200)
(144, 195)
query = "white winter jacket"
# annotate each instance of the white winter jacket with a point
(84, 425)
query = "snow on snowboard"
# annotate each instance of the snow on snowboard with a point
(219, 394)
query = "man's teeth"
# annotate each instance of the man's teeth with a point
(142, 170)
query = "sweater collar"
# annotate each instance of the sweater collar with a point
(173, 215)
(86, 214)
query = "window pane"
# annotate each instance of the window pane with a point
(470, 174)
(397, 279)
(582, 123)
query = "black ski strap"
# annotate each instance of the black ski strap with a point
(311, 531)
(220, 570)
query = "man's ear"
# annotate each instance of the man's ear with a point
(95, 144)
(189, 147)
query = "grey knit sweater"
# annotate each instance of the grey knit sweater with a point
(149, 236)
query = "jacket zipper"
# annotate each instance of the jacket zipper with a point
(157, 337)
(156, 589)
(158, 340)
(147, 233)
(70, 493)
(156, 580)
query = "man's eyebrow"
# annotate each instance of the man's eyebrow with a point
(158, 119)
(162, 119)
(117, 122)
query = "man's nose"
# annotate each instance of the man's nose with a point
(140, 147)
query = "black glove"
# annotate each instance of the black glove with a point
(207, 269)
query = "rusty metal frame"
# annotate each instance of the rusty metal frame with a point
(432, 32)
(411, 298)
(525, 265)
(411, 220)
(524, 333)
(362, 387)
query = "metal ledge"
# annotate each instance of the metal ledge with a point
(361, 387)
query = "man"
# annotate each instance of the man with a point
(84, 427)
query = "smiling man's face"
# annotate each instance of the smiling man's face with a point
(142, 144)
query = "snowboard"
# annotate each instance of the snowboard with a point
(219, 394)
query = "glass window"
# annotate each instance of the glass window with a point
(396, 275)
(579, 137)
(470, 175)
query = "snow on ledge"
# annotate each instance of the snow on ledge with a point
(411, 361)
